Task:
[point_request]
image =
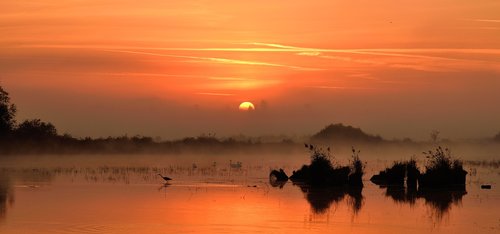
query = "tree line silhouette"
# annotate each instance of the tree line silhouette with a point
(34, 136)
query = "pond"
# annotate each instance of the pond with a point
(221, 199)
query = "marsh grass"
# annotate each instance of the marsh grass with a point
(127, 174)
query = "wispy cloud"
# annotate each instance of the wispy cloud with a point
(229, 78)
(326, 87)
(271, 47)
(334, 87)
(377, 52)
(216, 94)
(421, 59)
(217, 60)
(485, 20)
(311, 53)
(183, 76)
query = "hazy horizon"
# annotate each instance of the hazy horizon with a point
(177, 69)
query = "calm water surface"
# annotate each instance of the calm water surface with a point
(223, 200)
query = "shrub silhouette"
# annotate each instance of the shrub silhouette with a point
(412, 174)
(356, 177)
(36, 129)
(442, 170)
(394, 175)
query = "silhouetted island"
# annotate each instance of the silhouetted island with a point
(442, 171)
(322, 172)
(278, 175)
(395, 175)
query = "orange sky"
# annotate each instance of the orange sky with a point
(180, 68)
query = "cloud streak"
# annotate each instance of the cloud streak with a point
(270, 47)
(218, 60)
(409, 53)
(485, 20)
(215, 94)
(421, 59)
(334, 87)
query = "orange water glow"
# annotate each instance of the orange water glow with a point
(212, 208)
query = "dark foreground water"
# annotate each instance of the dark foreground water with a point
(218, 199)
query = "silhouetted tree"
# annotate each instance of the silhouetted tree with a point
(434, 136)
(7, 113)
(36, 129)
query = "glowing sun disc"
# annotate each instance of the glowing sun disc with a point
(246, 106)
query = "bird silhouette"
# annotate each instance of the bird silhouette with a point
(164, 177)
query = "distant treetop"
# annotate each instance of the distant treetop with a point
(342, 133)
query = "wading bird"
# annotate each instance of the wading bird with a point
(164, 177)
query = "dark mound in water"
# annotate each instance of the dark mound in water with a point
(395, 175)
(278, 178)
(442, 170)
(321, 171)
(276, 175)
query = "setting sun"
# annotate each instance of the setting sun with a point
(246, 106)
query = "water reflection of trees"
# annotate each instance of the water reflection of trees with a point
(439, 200)
(322, 198)
(29, 176)
(6, 194)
